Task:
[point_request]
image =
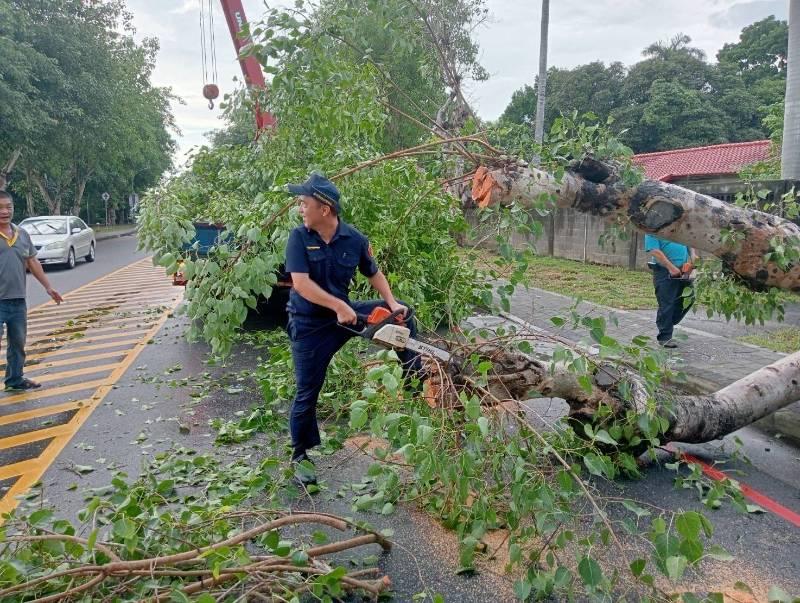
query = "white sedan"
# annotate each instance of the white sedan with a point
(60, 239)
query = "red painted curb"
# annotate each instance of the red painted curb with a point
(760, 499)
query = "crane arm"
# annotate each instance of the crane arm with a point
(253, 76)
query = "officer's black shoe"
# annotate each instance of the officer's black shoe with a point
(304, 472)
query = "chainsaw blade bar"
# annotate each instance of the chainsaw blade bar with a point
(427, 350)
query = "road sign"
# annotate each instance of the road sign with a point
(105, 196)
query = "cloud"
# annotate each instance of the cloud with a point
(744, 13)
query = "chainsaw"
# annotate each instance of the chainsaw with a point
(388, 329)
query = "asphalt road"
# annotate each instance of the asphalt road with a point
(144, 411)
(111, 255)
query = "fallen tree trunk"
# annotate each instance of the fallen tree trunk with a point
(692, 419)
(657, 208)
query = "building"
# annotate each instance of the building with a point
(710, 170)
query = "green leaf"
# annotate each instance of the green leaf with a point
(637, 567)
(676, 565)
(689, 525)
(483, 424)
(717, 552)
(603, 436)
(590, 571)
(40, 516)
(778, 595)
(634, 508)
(522, 589)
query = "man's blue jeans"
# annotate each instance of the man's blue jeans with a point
(314, 343)
(14, 315)
(672, 304)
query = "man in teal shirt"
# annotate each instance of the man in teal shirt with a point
(671, 264)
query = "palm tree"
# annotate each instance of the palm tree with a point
(790, 153)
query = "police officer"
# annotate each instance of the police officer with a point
(322, 256)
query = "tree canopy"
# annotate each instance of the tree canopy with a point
(674, 97)
(79, 101)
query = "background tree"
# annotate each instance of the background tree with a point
(724, 102)
(95, 113)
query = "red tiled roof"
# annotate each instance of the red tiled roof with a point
(702, 161)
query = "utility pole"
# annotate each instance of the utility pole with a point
(790, 152)
(541, 104)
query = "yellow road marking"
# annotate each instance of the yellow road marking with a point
(51, 303)
(27, 415)
(47, 392)
(114, 291)
(76, 360)
(79, 350)
(44, 344)
(85, 327)
(15, 469)
(103, 297)
(68, 315)
(31, 472)
(49, 343)
(102, 305)
(76, 373)
(34, 436)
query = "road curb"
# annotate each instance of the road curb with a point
(114, 235)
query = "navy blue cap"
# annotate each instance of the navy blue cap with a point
(319, 187)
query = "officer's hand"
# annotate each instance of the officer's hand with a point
(346, 315)
(394, 307)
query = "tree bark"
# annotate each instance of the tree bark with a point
(658, 208)
(691, 419)
(6, 169)
(53, 202)
(79, 190)
(790, 154)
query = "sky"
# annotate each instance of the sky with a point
(580, 32)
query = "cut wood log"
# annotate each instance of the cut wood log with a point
(691, 419)
(740, 237)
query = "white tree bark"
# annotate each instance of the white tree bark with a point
(666, 210)
(790, 154)
(692, 419)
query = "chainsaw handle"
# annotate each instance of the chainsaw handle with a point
(367, 330)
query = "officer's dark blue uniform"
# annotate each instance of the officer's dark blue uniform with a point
(312, 328)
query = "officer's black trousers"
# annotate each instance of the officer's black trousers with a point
(314, 342)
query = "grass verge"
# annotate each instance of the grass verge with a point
(785, 340)
(611, 286)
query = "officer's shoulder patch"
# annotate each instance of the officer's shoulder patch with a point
(369, 250)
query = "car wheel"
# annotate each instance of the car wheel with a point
(71, 259)
(90, 257)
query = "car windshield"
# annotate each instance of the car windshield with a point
(45, 227)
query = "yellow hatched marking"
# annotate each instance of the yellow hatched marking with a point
(113, 294)
(141, 303)
(51, 303)
(76, 360)
(61, 341)
(36, 413)
(34, 436)
(80, 350)
(61, 328)
(50, 392)
(15, 469)
(104, 305)
(70, 332)
(30, 472)
(46, 378)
